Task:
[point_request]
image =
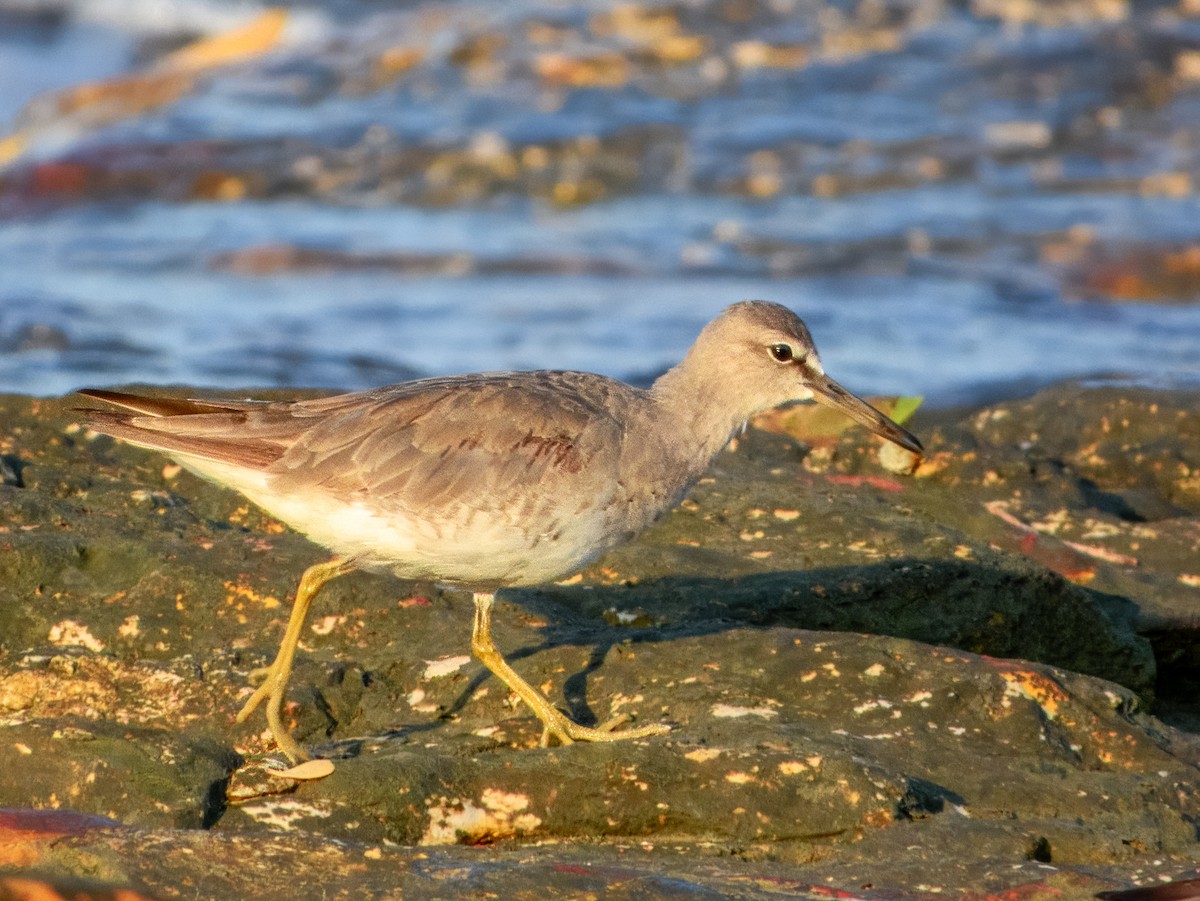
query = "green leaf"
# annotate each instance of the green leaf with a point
(904, 407)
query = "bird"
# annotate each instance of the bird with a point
(487, 481)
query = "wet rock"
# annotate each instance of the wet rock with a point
(1099, 483)
(229, 865)
(270, 259)
(1151, 274)
(137, 600)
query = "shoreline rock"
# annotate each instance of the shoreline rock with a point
(912, 744)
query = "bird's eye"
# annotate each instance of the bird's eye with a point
(782, 353)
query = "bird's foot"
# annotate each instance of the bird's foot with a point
(272, 690)
(566, 731)
(263, 676)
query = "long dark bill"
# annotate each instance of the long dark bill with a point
(830, 393)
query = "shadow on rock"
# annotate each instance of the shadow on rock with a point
(999, 608)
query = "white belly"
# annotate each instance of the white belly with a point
(469, 547)
(485, 548)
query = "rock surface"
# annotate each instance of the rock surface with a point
(1019, 715)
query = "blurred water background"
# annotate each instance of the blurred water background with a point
(965, 200)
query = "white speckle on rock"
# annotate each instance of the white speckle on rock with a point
(73, 632)
(326, 624)
(129, 627)
(732, 711)
(416, 700)
(284, 813)
(877, 704)
(444, 666)
(459, 821)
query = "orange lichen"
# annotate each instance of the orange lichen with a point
(240, 591)
(1037, 688)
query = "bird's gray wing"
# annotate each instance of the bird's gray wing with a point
(501, 441)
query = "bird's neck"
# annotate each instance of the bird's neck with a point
(705, 410)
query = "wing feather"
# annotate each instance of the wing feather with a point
(487, 442)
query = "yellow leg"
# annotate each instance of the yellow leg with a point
(278, 673)
(554, 723)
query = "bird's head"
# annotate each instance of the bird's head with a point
(763, 355)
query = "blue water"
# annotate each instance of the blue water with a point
(936, 287)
